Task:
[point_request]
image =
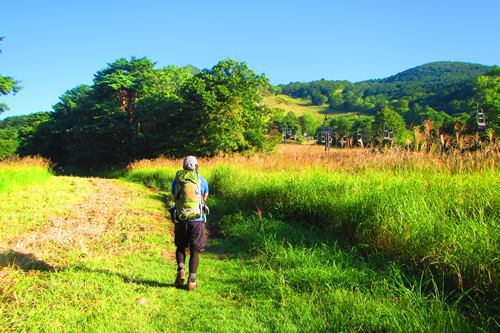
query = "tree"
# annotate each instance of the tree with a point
(438, 118)
(133, 111)
(363, 126)
(335, 100)
(308, 123)
(317, 98)
(17, 134)
(387, 119)
(124, 79)
(60, 137)
(291, 121)
(97, 125)
(353, 100)
(401, 106)
(157, 110)
(341, 125)
(222, 110)
(72, 99)
(7, 85)
(104, 126)
(444, 86)
(9, 142)
(487, 94)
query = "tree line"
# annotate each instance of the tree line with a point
(134, 110)
(445, 94)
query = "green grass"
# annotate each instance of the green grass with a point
(298, 106)
(265, 276)
(447, 222)
(281, 263)
(18, 176)
(301, 106)
(421, 219)
(312, 284)
(29, 207)
(159, 178)
(440, 226)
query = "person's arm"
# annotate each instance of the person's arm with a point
(174, 182)
(205, 189)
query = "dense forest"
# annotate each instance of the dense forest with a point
(134, 110)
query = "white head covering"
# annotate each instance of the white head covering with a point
(190, 163)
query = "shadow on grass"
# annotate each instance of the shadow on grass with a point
(300, 248)
(243, 234)
(125, 278)
(113, 171)
(25, 261)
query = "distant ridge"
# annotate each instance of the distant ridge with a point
(439, 71)
(193, 69)
(442, 86)
(435, 84)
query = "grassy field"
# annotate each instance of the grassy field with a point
(435, 216)
(298, 106)
(301, 106)
(300, 241)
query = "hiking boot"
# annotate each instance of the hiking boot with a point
(191, 285)
(179, 280)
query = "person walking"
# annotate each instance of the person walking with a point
(190, 192)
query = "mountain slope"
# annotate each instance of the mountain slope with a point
(443, 86)
(440, 71)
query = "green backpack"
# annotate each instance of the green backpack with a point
(187, 195)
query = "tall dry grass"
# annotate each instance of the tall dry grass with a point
(300, 157)
(28, 161)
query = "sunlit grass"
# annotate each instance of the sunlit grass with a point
(447, 222)
(27, 209)
(299, 106)
(293, 157)
(17, 173)
(421, 209)
(350, 245)
(433, 214)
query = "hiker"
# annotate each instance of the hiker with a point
(190, 192)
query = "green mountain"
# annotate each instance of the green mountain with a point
(442, 86)
(193, 69)
(439, 72)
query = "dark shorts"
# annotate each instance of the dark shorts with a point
(190, 234)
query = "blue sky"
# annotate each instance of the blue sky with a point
(54, 45)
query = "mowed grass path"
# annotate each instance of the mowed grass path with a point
(94, 255)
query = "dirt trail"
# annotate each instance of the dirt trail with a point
(84, 224)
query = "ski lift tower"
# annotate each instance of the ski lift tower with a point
(284, 130)
(343, 140)
(359, 138)
(480, 118)
(325, 133)
(388, 135)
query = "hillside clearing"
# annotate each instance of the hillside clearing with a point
(298, 106)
